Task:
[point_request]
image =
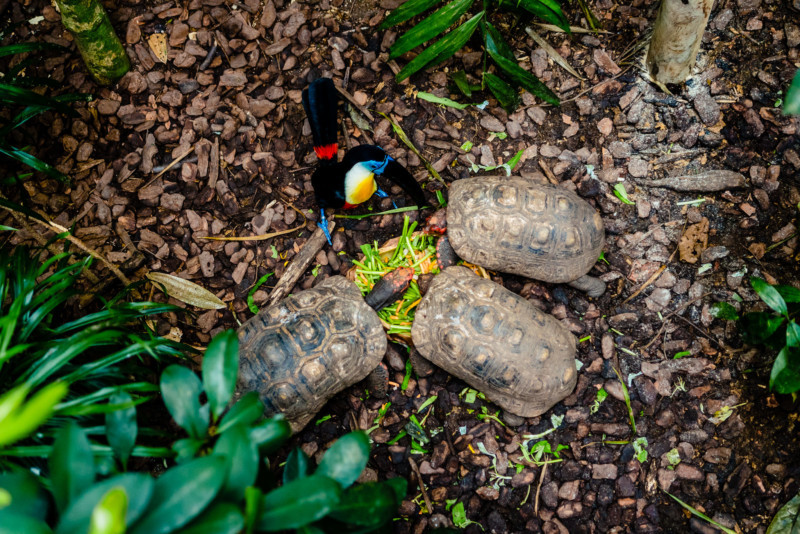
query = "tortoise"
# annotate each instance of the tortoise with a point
(496, 341)
(300, 352)
(517, 226)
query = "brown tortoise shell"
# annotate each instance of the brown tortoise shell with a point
(496, 341)
(517, 226)
(300, 352)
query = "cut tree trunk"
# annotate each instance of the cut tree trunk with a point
(99, 46)
(677, 34)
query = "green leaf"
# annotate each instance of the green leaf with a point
(71, 464)
(407, 10)
(789, 293)
(296, 466)
(757, 327)
(220, 518)
(441, 49)
(19, 48)
(138, 488)
(181, 390)
(370, 505)
(432, 26)
(23, 494)
(250, 302)
(299, 503)
(121, 428)
(270, 435)
(399, 486)
(18, 419)
(769, 295)
(785, 375)
(242, 456)
(252, 508)
(787, 520)
(246, 411)
(181, 494)
(346, 458)
(18, 96)
(506, 95)
(33, 162)
(621, 193)
(547, 10)
(502, 55)
(440, 100)
(791, 104)
(220, 369)
(501, 46)
(793, 334)
(723, 310)
(460, 77)
(108, 517)
(186, 449)
(15, 523)
(701, 515)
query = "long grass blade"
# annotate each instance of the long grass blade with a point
(433, 26)
(407, 10)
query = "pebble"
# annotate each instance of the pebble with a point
(666, 477)
(694, 437)
(604, 61)
(713, 253)
(606, 126)
(707, 108)
(689, 472)
(638, 168)
(604, 471)
(569, 510)
(207, 263)
(493, 124)
(569, 490)
(718, 455)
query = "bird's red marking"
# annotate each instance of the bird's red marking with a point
(348, 206)
(327, 151)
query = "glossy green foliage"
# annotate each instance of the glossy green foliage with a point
(777, 329)
(222, 483)
(440, 46)
(17, 93)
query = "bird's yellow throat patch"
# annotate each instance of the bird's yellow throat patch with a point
(359, 185)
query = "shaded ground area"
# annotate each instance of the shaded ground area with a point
(248, 173)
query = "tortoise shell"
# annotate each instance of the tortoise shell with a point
(300, 352)
(496, 341)
(517, 226)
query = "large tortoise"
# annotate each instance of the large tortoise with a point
(517, 226)
(300, 352)
(496, 341)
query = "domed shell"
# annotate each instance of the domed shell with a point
(496, 341)
(517, 226)
(300, 352)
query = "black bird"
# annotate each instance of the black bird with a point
(350, 182)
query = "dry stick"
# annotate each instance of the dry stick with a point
(364, 111)
(300, 263)
(168, 167)
(51, 247)
(263, 237)
(650, 280)
(428, 504)
(538, 489)
(669, 315)
(81, 245)
(548, 172)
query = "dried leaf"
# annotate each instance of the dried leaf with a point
(158, 44)
(186, 291)
(558, 58)
(694, 241)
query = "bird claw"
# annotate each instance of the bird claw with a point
(323, 224)
(380, 193)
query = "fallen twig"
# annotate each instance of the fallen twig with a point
(428, 505)
(299, 264)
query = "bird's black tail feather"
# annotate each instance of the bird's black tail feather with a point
(320, 100)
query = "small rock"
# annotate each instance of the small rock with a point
(689, 472)
(488, 493)
(606, 126)
(718, 455)
(638, 167)
(712, 254)
(569, 510)
(604, 61)
(665, 478)
(172, 202)
(493, 124)
(233, 78)
(569, 490)
(207, 263)
(707, 108)
(604, 471)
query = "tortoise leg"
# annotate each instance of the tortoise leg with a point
(378, 381)
(445, 255)
(592, 286)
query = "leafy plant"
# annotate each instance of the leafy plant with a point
(697, 513)
(778, 330)
(494, 44)
(222, 482)
(602, 394)
(787, 520)
(791, 104)
(16, 92)
(85, 367)
(640, 449)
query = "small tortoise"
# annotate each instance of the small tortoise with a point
(300, 352)
(516, 226)
(496, 341)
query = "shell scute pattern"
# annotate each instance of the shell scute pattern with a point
(496, 341)
(300, 352)
(517, 226)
